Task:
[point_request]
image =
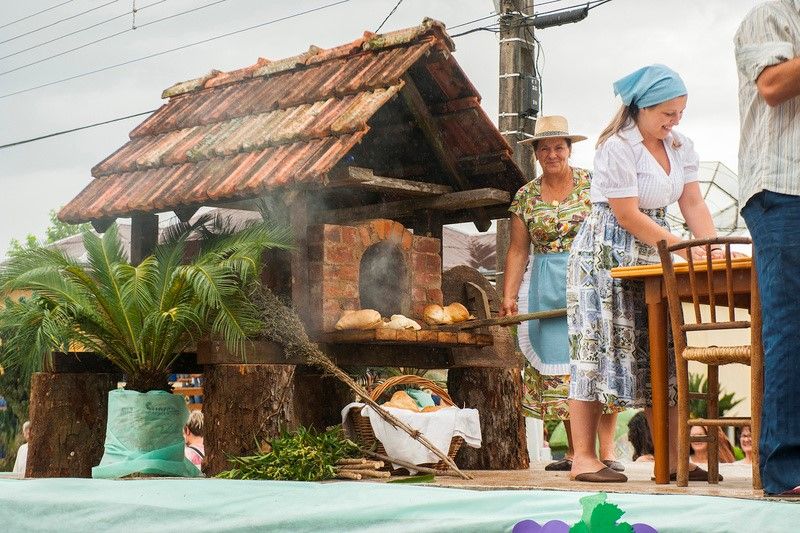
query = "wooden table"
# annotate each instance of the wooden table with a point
(658, 324)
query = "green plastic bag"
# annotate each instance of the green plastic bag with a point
(144, 434)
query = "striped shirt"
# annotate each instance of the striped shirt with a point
(769, 146)
(624, 168)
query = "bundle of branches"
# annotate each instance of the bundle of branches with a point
(359, 468)
(284, 327)
(304, 455)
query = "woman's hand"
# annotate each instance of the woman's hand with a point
(717, 253)
(509, 307)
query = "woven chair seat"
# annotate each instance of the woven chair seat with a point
(718, 355)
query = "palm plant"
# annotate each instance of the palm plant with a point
(699, 408)
(140, 317)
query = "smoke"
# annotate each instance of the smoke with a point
(384, 280)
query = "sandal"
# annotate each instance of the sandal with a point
(564, 465)
(698, 474)
(605, 475)
(614, 465)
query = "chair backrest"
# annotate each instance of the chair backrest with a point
(715, 282)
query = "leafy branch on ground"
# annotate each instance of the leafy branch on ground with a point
(304, 455)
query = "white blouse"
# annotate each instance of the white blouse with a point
(624, 168)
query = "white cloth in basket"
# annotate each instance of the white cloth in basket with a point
(439, 427)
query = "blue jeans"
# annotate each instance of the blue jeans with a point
(774, 223)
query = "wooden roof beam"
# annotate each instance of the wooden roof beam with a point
(454, 201)
(425, 120)
(101, 225)
(364, 178)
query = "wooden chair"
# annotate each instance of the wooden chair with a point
(717, 283)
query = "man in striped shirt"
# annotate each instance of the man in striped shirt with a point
(767, 48)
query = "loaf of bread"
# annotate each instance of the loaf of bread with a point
(402, 322)
(401, 400)
(457, 312)
(361, 319)
(435, 314)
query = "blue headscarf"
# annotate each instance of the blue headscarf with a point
(649, 86)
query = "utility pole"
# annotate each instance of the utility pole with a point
(519, 97)
(519, 90)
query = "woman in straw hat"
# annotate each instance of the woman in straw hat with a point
(547, 212)
(641, 166)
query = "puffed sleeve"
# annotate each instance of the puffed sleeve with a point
(517, 206)
(615, 169)
(761, 42)
(689, 158)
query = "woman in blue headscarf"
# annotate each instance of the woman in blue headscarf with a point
(641, 166)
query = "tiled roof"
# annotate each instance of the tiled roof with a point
(235, 135)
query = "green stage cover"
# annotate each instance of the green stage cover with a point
(212, 505)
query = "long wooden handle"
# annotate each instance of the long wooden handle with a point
(502, 321)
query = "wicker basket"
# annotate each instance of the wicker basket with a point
(363, 428)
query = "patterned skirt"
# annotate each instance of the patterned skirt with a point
(607, 317)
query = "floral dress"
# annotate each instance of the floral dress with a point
(552, 227)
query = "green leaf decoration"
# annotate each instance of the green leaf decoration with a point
(422, 478)
(600, 517)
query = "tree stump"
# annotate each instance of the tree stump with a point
(68, 423)
(319, 398)
(244, 404)
(495, 392)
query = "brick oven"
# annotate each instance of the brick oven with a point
(377, 264)
(367, 149)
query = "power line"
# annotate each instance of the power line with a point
(34, 14)
(495, 15)
(389, 15)
(163, 52)
(95, 25)
(527, 20)
(107, 37)
(59, 21)
(56, 134)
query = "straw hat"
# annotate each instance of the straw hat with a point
(553, 126)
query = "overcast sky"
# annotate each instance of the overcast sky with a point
(579, 62)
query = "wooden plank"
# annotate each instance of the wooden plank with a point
(641, 271)
(404, 338)
(421, 356)
(430, 129)
(407, 335)
(82, 362)
(426, 336)
(257, 352)
(188, 391)
(406, 208)
(364, 178)
(446, 337)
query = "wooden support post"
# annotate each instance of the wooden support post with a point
(427, 123)
(495, 392)
(299, 219)
(144, 236)
(68, 423)
(502, 241)
(244, 404)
